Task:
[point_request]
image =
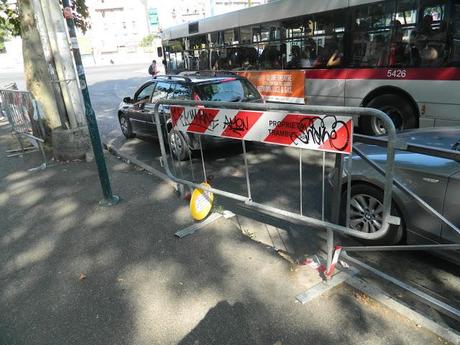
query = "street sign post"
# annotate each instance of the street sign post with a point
(109, 198)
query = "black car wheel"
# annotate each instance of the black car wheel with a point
(178, 145)
(125, 126)
(396, 107)
(366, 214)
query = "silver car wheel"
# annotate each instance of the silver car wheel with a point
(366, 213)
(124, 124)
(175, 143)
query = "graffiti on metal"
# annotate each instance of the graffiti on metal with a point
(317, 132)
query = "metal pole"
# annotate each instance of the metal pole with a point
(248, 183)
(323, 186)
(335, 205)
(109, 198)
(403, 247)
(202, 160)
(191, 164)
(435, 303)
(301, 182)
(349, 167)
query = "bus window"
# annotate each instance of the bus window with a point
(245, 35)
(301, 50)
(400, 32)
(328, 34)
(270, 57)
(216, 39)
(270, 32)
(203, 60)
(230, 37)
(454, 58)
(429, 39)
(256, 36)
(371, 34)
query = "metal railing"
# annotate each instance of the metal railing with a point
(332, 226)
(414, 148)
(298, 218)
(24, 116)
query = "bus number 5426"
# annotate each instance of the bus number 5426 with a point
(396, 73)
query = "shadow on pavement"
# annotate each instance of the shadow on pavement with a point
(72, 272)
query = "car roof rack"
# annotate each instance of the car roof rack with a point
(170, 77)
(211, 73)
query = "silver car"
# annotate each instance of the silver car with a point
(436, 180)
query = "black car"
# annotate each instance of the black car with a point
(135, 114)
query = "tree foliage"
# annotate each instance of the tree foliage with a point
(147, 41)
(9, 22)
(9, 18)
(81, 14)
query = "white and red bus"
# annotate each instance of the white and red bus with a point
(400, 56)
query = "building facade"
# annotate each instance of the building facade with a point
(121, 25)
(117, 25)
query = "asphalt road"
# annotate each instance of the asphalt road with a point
(274, 174)
(107, 86)
(74, 273)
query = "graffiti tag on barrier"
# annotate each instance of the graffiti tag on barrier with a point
(318, 132)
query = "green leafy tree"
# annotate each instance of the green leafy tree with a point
(10, 24)
(147, 41)
(19, 18)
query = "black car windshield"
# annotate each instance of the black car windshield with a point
(228, 90)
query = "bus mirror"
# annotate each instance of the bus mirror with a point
(159, 52)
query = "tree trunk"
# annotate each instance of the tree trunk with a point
(39, 68)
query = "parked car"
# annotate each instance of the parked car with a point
(135, 114)
(436, 180)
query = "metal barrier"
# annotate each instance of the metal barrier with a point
(24, 116)
(343, 251)
(303, 116)
(201, 119)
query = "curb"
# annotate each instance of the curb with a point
(383, 298)
(115, 151)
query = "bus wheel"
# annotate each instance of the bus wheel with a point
(396, 107)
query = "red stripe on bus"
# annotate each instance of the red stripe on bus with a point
(240, 125)
(438, 73)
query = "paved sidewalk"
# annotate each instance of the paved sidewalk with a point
(74, 273)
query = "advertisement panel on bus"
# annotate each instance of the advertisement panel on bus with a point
(278, 86)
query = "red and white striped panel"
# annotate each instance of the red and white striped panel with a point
(317, 132)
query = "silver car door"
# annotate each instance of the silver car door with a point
(452, 209)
